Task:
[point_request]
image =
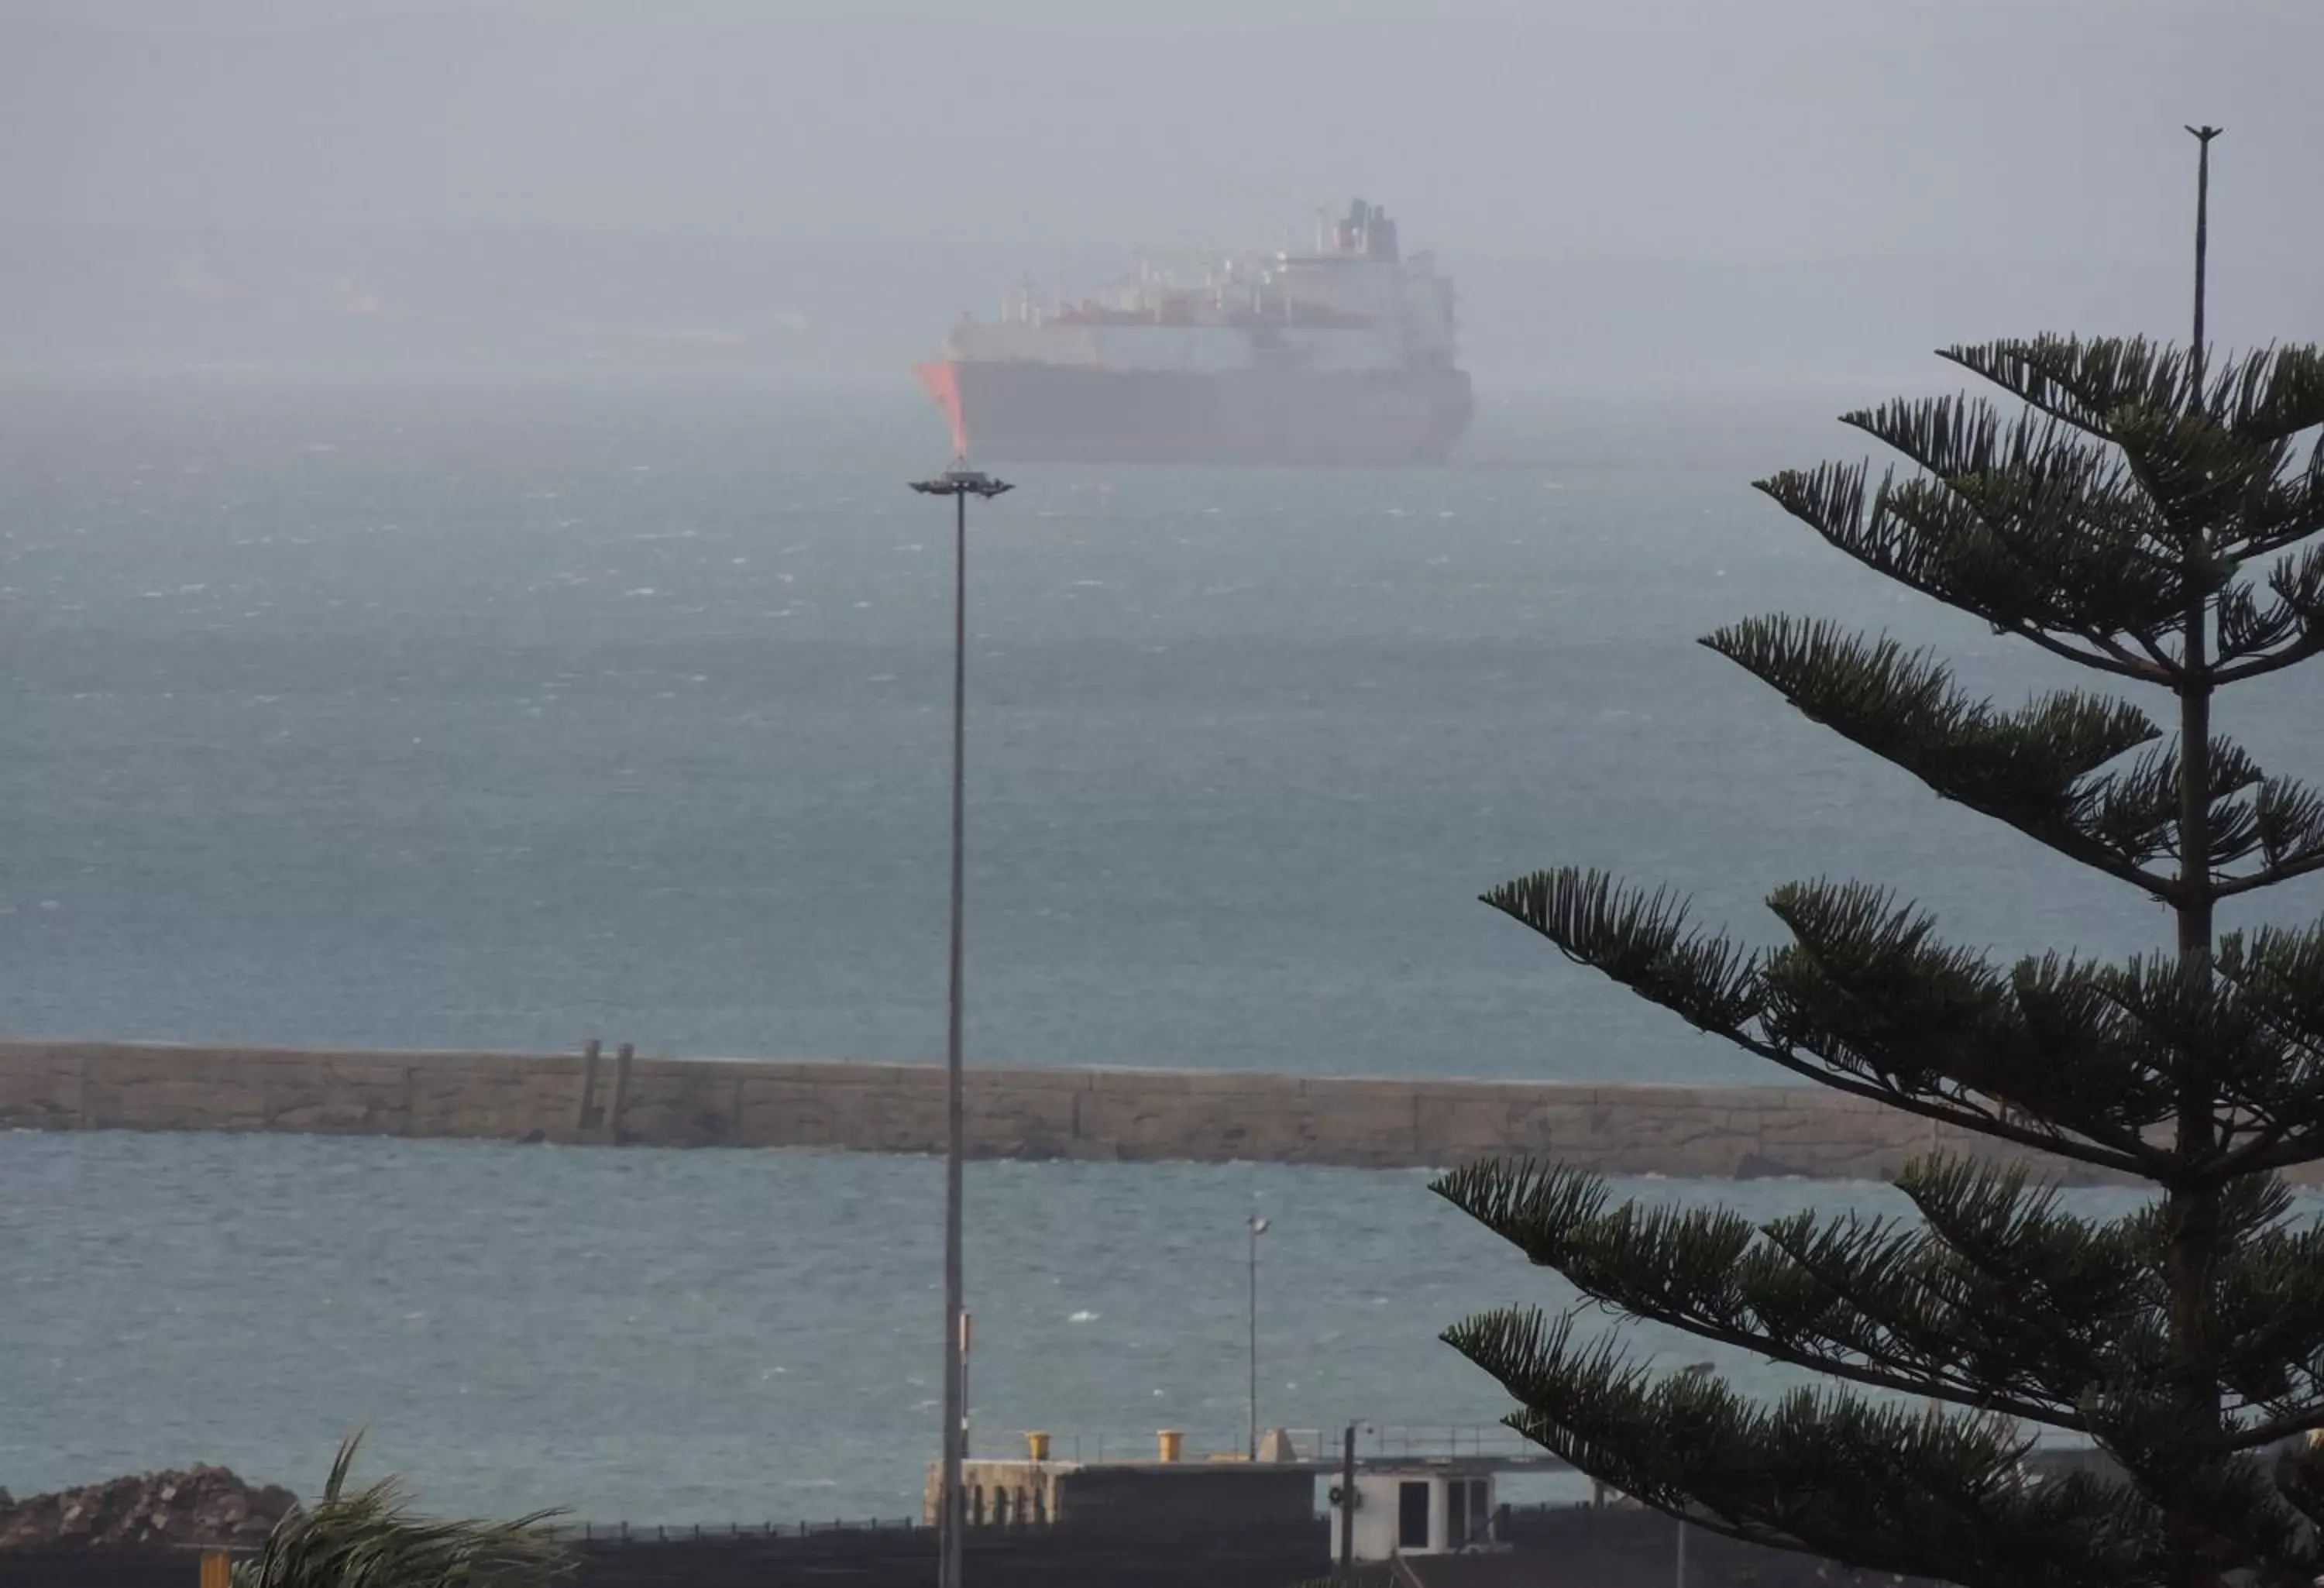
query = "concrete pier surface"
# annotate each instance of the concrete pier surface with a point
(600, 1096)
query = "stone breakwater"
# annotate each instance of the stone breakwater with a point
(607, 1097)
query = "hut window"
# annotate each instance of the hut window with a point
(1412, 1515)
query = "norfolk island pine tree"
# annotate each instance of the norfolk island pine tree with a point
(2153, 515)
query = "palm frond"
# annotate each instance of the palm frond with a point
(370, 1537)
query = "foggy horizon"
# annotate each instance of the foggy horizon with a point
(1653, 192)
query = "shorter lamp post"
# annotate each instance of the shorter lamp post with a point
(1258, 1228)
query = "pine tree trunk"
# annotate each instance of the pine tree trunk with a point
(2195, 1235)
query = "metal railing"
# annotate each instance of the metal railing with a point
(1379, 1442)
(1375, 1442)
(711, 1533)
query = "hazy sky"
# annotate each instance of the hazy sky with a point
(1830, 180)
(1676, 129)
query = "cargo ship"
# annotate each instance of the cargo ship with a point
(1344, 355)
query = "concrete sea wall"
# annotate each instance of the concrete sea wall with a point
(1023, 1111)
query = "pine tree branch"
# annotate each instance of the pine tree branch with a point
(1882, 1488)
(2267, 1303)
(2036, 769)
(2297, 1418)
(2107, 655)
(2281, 510)
(1642, 941)
(2035, 1298)
(2227, 1516)
(2023, 769)
(2001, 1123)
(2294, 624)
(2295, 615)
(2309, 645)
(2213, 469)
(2134, 812)
(2269, 394)
(2080, 384)
(2306, 864)
(1931, 539)
(2262, 1068)
(2258, 399)
(2277, 978)
(2090, 1290)
(2287, 820)
(1860, 1285)
(1868, 989)
(2294, 1146)
(2038, 486)
(1795, 1292)
(2279, 973)
(2202, 477)
(2268, 1151)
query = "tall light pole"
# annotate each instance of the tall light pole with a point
(2202, 137)
(960, 483)
(1258, 1228)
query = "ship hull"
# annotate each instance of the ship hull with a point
(1006, 411)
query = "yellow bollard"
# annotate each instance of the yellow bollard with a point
(1168, 1439)
(1037, 1444)
(217, 1571)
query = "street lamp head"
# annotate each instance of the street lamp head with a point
(961, 482)
(1257, 1225)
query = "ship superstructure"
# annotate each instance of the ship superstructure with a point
(1344, 354)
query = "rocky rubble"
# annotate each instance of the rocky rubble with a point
(208, 1506)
